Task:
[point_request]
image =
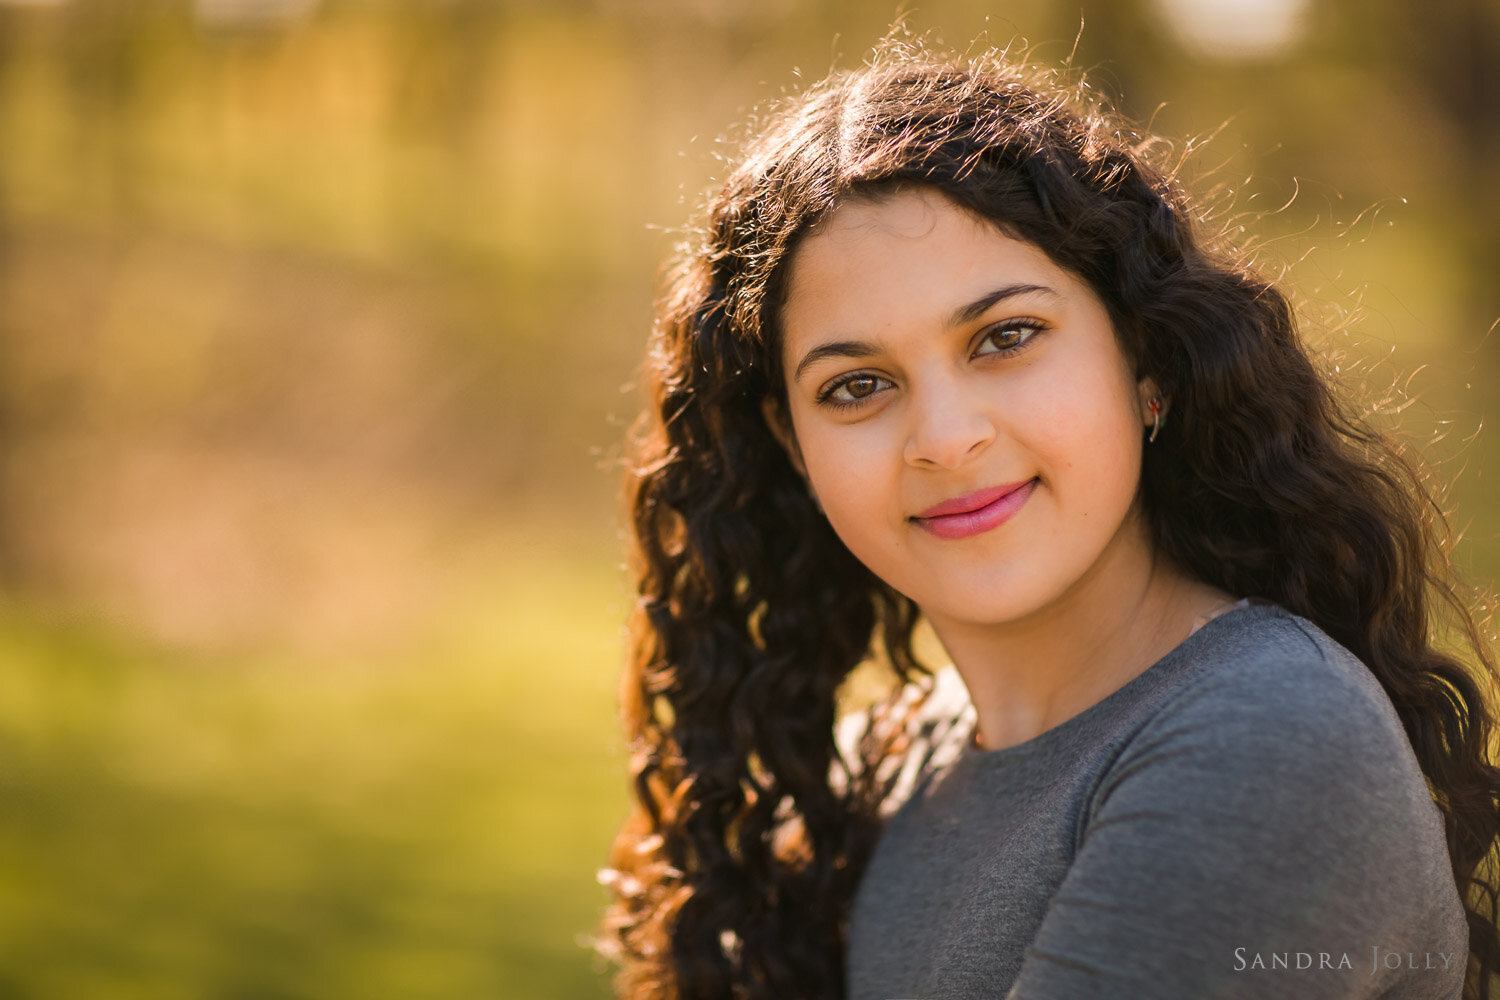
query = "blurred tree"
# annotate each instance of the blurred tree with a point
(1452, 50)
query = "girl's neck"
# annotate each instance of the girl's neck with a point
(1025, 677)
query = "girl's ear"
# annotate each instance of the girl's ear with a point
(1148, 393)
(781, 428)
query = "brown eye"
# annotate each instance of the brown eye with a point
(854, 390)
(1006, 337)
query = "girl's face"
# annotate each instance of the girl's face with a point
(962, 410)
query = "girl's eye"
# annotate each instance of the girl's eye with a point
(1003, 338)
(853, 390)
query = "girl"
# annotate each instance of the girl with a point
(950, 348)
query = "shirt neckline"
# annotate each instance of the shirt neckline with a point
(1083, 718)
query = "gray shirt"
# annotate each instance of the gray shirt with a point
(1245, 818)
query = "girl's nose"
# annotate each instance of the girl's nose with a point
(947, 428)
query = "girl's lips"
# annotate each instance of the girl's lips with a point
(976, 512)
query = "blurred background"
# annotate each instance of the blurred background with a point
(318, 324)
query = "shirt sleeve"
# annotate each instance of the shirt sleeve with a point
(1268, 834)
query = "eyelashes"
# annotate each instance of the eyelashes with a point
(1003, 339)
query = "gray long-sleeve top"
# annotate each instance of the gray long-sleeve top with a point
(1246, 818)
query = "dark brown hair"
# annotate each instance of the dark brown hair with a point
(734, 875)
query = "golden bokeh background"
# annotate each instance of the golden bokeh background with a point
(318, 324)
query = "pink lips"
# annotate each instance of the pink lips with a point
(974, 513)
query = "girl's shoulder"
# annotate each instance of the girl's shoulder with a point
(1280, 748)
(1286, 722)
(1265, 664)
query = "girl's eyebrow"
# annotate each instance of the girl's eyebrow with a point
(835, 349)
(976, 309)
(963, 314)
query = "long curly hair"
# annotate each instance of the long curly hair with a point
(734, 874)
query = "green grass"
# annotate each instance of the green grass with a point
(425, 823)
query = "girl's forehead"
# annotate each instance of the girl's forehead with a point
(876, 247)
(907, 211)
(910, 212)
